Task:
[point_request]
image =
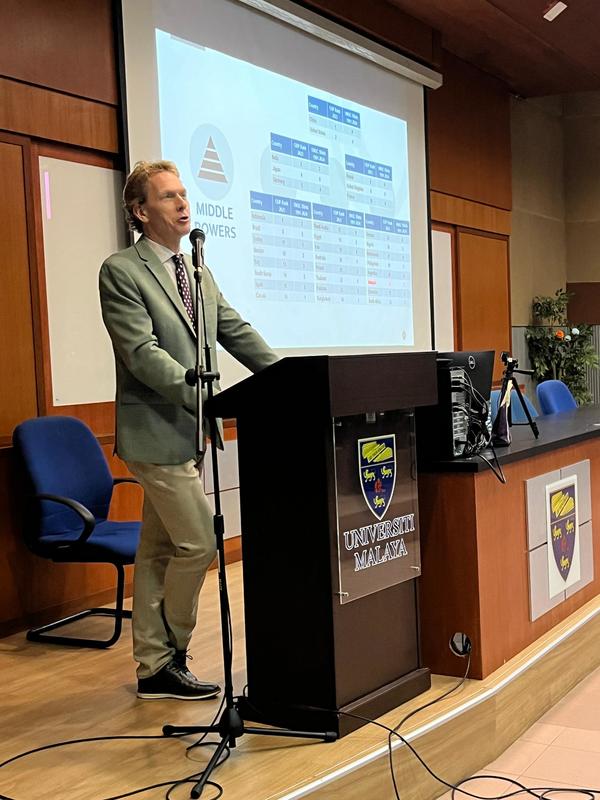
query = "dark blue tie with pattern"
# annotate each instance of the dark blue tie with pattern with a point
(183, 286)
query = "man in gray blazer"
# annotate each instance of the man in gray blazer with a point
(149, 311)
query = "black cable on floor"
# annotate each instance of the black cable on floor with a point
(66, 743)
(541, 793)
(538, 792)
(533, 791)
(173, 784)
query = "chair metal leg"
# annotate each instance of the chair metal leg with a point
(118, 612)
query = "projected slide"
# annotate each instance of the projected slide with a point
(303, 196)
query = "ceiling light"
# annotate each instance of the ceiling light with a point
(554, 9)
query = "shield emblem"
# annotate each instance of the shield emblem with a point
(563, 522)
(377, 470)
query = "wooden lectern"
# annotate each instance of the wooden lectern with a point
(330, 535)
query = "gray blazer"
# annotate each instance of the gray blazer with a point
(154, 345)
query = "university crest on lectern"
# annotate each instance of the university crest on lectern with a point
(377, 470)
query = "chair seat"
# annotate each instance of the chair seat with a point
(111, 542)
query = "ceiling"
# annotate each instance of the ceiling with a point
(511, 40)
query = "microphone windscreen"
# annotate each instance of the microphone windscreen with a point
(197, 235)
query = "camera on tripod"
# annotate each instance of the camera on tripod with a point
(501, 426)
(511, 365)
(508, 359)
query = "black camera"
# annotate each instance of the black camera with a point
(508, 360)
(512, 365)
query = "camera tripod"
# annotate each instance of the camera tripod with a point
(501, 427)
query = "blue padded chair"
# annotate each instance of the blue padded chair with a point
(555, 396)
(517, 414)
(71, 486)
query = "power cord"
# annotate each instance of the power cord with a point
(460, 645)
(497, 469)
(54, 745)
(538, 792)
(172, 784)
(394, 731)
(404, 719)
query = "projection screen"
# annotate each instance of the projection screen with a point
(302, 147)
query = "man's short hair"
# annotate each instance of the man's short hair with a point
(136, 185)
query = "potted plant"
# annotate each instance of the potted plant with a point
(557, 349)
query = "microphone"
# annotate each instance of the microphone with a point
(197, 238)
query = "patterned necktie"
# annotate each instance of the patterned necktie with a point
(183, 286)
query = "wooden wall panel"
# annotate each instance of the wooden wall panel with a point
(58, 117)
(467, 214)
(66, 45)
(470, 183)
(469, 136)
(127, 498)
(13, 555)
(17, 364)
(483, 294)
(584, 306)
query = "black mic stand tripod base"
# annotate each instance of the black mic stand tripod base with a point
(230, 726)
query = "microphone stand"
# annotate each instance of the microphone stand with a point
(230, 726)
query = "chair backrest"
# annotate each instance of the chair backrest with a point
(518, 415)
(554, 396)
(62, 456)
(516, 410)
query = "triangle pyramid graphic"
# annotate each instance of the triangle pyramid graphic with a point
(211, 168)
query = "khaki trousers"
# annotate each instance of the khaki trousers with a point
(177, 546)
